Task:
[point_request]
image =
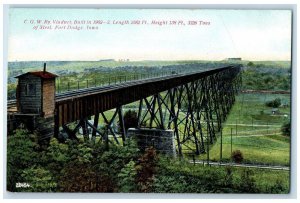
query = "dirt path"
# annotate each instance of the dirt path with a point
(267, 91)
(250, 125)
(271, 167)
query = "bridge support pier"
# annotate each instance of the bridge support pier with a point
(195, 110)
(161, 140)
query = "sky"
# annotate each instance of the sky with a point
(249, 34)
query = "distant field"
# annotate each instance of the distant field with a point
(261, 75)
(255, 131)
(275, 64)
(79, 66)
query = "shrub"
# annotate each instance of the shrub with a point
(146, 168)
(250, 64)
(21, 153)
(247, 183)
(127, 177)
(39, 179)
(228, 180)
(274, 103)
(78, 177)
(111, 165)
(277, 188)
(237, 156)
(286, 129)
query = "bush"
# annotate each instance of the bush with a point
(22, 153)
(237, 156)
(277, 188)
(146, 168)
(228, 180)
(274, 103)
(250, 64)
(286, 129)
(247, 183)
(127, 177)
(39, 179)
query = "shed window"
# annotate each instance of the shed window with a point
(30, 89)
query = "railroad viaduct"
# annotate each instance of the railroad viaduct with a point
(192, 106)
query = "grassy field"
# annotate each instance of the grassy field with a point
(256, 132)
(81, 65)
(263, 179)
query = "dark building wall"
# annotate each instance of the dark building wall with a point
(30, 94)
(48, 97)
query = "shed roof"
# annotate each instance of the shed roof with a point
(41, 74)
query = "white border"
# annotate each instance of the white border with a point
(158, 4)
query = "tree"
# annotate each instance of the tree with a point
(78, 177)
(89, 167)
(78, 174)
(39, 179)
(146, 169)
(274, 103)
(130, 119)
(250, 64)
(55, 156)
(21, 154)
(112, 164)
(127, 177)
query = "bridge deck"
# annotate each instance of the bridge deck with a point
(74, 105)
(98, 90)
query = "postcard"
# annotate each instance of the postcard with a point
(142, 100)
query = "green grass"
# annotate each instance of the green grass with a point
(256, 150)
(252, 106)
(277, 64)
(256, 134)
(265, 180)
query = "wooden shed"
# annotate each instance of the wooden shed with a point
(36, 93)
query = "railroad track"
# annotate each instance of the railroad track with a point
(96, 90)
(91, 90)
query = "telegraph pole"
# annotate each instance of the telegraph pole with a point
(207, 141)
(231, 143)
(221, 146)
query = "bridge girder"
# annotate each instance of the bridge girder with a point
(194, 110)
